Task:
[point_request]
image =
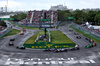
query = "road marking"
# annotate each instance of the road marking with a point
(92, 61)
(99, 53)
(54, 62)
(60, 62)
(34, 62)
(71, 62)
(46, 61)
(83, 61)
(39, 62)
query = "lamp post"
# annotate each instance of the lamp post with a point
(7, 5)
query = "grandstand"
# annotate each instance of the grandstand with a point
(34, 16)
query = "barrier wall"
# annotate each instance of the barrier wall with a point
(5, 31)
(46, 45)
(87, 34)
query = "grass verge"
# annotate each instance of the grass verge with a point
(12, 32)
(59, 37)
(32, 39)
(34, 28)
(87, 35)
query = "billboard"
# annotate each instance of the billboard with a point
(69, 17)
(6, 19)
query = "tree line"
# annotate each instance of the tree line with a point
(80, 16)
(18, 17)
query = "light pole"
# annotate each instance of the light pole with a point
(7, 5)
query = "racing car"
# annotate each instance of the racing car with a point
(89, 46)
(21, 33)
(12, 39)
(75, 33)
(78, 37)
(61, 50)
(51, 49)
(74, 48)
(87, 38)
(94, 44)
(91, 41)
(20, 47)
(11, 44)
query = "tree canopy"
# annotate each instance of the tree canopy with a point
(80, 16)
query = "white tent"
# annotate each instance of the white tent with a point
(87, 23)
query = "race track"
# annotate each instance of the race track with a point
(11, 56)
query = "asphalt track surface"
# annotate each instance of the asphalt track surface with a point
(11, 56)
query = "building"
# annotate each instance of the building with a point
(58, 7)
(1, 9)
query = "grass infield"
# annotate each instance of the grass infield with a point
(13, 32)
(56, 37)
(59, 37)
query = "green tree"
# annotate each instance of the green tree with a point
(2, 23)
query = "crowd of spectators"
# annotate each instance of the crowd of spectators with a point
(40, 15)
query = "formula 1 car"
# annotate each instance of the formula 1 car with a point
(51, 49)
(21, 33)
(20, 47)
(94, 44)
(91, 41)
(61, 50)
(70, 30)
(89, 46)
(12, 39)
(78, 37)
(87, 38)
(74, 48)
(11, 44)
(75, 33)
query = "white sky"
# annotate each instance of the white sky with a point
(46, 4)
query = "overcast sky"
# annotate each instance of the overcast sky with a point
(46, 4)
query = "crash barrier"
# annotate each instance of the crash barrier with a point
(23, 25)
(87, 33)
(49, 36)
(29, 25)
(90, 45)
(37, 38)
(86, 30)
(3, 33)
(47, 45)
(26, 26)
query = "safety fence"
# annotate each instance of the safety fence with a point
(46, 45)
(5, 31)
(26, 26)
(88, 34)
(85, 28)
